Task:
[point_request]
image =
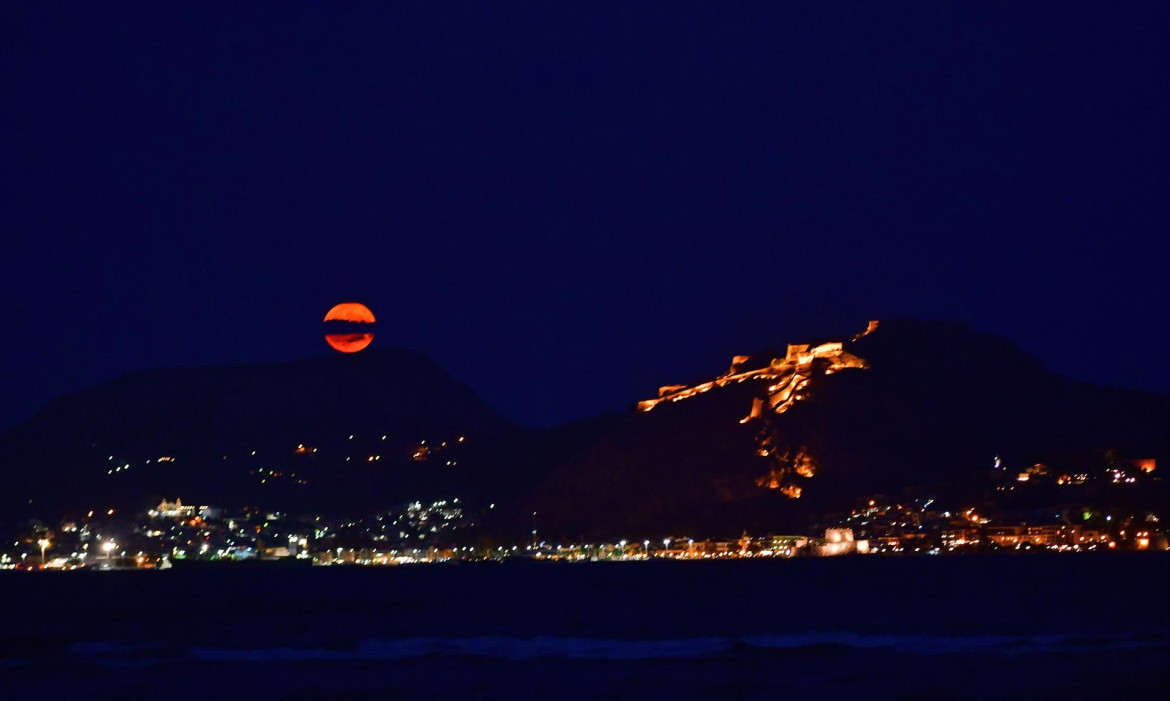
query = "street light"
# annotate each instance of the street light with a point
(44, 543)
(108, 546)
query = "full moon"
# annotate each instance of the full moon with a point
(350, 316)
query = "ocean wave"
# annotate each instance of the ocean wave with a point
(910, 643)
(488, 647)
(577, 648)
(957, 644)
(99, 648)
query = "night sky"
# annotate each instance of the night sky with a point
(567, 207)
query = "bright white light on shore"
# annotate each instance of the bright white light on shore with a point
(109, 546)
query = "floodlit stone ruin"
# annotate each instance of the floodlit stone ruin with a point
(788, 376)
(789, 380)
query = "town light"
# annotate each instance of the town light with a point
(109, 546)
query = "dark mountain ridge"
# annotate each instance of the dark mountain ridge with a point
(223, 426)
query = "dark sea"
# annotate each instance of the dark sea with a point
(972, 627)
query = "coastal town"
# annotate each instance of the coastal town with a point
(172, 533)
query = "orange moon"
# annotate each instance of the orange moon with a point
(349, 342)
(350, 311)
(350, 314)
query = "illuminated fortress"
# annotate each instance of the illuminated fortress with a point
(789, 375)
(789, 378)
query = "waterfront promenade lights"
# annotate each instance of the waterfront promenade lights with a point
(44, 543)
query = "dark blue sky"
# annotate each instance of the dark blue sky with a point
(569, 206)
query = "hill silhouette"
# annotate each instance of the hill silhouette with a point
(770, 445)
(226, 429)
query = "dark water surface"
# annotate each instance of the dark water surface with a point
(1036, 626)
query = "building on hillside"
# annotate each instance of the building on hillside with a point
(173, 509)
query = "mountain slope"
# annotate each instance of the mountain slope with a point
(773, 443)
(227, 429)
